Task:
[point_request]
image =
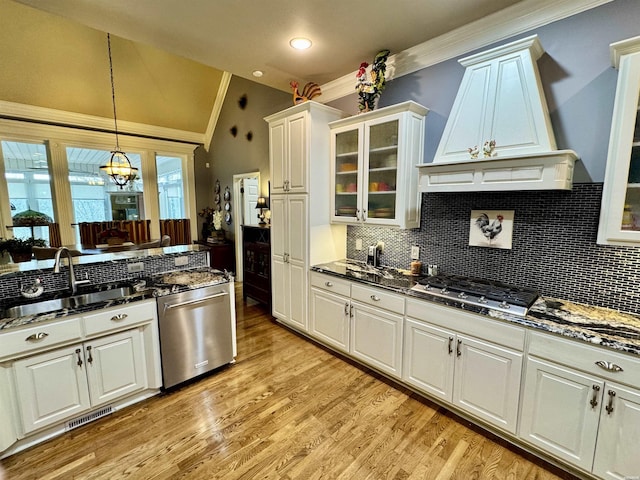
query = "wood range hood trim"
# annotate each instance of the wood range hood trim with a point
(500, 98)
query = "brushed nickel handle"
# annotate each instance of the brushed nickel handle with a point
(609, 367)
(78, 352)
(351, 311)
(450, 345)
(90, 359)
(118, 317)
(357, 214)
(458, 352)
(364, 215)
(36, 336)
(594, 399)
(609, 407)
(328, 284)
(375, 298)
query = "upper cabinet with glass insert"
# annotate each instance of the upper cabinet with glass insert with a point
(374, 175)
(620, 212)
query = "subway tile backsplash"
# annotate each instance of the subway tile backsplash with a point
(554, 245)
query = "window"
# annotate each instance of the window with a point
(170, 187)
(28, 183)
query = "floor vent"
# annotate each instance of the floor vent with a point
(89, 417)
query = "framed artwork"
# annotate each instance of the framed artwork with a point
(491, 228)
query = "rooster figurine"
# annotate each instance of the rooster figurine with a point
(309, 91)
(489, 229)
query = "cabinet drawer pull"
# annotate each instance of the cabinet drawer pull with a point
(450, 345)
(36, 336)
(375, 298)
(78, 352)
(458, 352)
(328, 284)
(594, 399)
(609, 407)
(609, 367)
(118, 317)
(90, 359)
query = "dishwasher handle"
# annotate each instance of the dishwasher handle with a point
(196, 300)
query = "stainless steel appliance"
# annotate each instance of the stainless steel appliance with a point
(195, 332)
(478, 292)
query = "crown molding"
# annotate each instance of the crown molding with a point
(20, 111)
(515, 20)
(217, 108)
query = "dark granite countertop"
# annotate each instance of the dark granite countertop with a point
(149, 287)
(595, 325)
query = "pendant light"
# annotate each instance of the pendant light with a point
(118, 167)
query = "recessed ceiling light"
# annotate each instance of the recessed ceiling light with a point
(300, 43)
(257, 73)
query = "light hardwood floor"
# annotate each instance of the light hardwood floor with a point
(287, 409)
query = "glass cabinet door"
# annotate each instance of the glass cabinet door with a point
(382, 170)
(631, 209)
(346, 173)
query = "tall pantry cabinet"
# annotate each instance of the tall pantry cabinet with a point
(301, 232)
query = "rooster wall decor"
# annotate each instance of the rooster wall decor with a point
(309, 91)
(491, 228)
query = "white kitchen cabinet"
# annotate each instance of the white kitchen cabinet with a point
(479, 374)
(616, 455)
(301, 232)
(376, 338)
(560, 411)
(586, 413)
(374, 179)
(51, 387)
(289, 233)
(330, 311)
(62, 383)
(620, 211)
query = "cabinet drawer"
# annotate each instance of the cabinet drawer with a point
(331, 284)
(24, 341)
(468, 323)
(378, 298)
(583, 357)
(115, 318)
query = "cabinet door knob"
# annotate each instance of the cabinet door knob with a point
(36, 336)
(609, 367)
(118, 317)
(594, 399)
(328, 284)
(78, 353)
(609, 407)
(375, 298)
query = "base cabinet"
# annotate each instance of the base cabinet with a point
(475, 375)
(330, 318)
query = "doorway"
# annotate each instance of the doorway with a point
(246, 190)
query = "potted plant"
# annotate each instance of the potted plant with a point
(20, 248)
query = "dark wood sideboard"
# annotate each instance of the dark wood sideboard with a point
(221, 255)
(256, 272)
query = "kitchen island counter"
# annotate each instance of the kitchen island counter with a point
(595, 325)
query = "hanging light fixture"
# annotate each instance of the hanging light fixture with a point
(118, 167)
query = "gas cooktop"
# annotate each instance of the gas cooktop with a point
(479, 292)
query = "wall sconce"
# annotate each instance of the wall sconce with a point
(262, 205)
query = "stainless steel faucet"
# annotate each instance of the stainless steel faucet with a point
(73, 282)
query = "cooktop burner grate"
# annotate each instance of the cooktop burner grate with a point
(478, 291)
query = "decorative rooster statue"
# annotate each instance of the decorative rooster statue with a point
(309, 91)
(369, 91)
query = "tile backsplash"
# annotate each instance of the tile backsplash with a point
(554, 245)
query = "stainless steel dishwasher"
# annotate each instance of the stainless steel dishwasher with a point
(196, 332)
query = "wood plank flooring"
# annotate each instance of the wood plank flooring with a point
(287, 409)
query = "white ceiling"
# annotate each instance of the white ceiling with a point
(240, 36)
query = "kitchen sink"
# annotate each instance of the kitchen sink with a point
(61, 303)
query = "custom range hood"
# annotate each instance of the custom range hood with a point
(499, 136)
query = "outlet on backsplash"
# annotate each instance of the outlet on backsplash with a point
(358, 244)
(135, 267)
(415, 252)
(181, 261)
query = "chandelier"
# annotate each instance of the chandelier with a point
(118, 167)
